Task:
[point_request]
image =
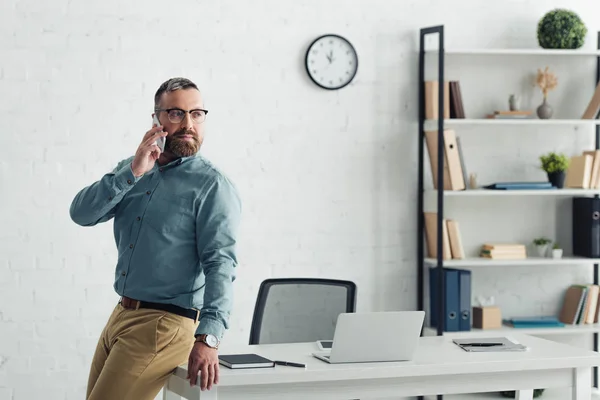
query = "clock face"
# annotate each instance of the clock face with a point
(331, 62)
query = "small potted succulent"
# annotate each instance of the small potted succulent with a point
(557, 251)
(512, 394)
(541, 245)
(555, 165)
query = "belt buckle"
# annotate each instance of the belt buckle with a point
(197, 317)
(137, 305)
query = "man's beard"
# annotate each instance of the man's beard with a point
(181, 147)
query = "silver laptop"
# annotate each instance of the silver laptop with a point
(374, 337)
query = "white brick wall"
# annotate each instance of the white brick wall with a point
(328, 178)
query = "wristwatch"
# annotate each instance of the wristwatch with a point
(209, 340)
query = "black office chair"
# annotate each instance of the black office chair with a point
(294, 310)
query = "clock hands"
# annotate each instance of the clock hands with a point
(330, 56)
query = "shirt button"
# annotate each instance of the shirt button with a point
(110, 197)
(129, 181)
(131, 246)
(148, 192)
(138, 218)
(123, 273)
(161, 169)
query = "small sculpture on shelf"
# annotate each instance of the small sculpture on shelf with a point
(514, 102)
(555, 165)
(541, 245)
(546, 81)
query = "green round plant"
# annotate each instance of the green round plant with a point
(561, 29)
(553, 162)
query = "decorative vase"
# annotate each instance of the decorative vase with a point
(544, 111)
(514, 102)
(542, 250)
(557, 179)
(557, 253)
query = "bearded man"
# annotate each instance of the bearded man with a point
(176, 218)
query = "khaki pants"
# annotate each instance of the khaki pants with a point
(136, 353)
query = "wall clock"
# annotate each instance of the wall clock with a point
(331, 61)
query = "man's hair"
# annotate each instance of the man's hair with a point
(172, 85)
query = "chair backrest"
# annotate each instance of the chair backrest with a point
(293, 310)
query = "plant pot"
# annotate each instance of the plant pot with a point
(512, 394)
(542, 250)
(544, 111)
(557, 179)
(557, 253)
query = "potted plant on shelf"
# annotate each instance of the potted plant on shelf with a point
(561, 28)
(555, 165)
(512, 394)
(546, 81)
(557, 252)
(541, 245)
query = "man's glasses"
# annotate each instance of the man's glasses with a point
(176, 115)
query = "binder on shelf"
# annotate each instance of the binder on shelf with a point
(456, 246)
(464, 300)
(453, 173)
(456, 290)
(586, 227)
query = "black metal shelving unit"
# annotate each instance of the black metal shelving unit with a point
(424, 33)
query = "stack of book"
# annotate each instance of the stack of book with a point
(580, 305)
(510, 115)
(503, 251)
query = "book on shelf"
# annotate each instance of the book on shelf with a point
(549, 321)
(503, 251)
(519, 114)
(579, 172)
(580, 305)
(520, 186)
(453, 104)
(452, 247)
(454, 176)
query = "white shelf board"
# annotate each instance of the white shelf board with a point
(531, 192)
(519, 52)
(516, 121)
(507, 330)
(529, 261)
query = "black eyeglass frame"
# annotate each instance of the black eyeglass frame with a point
(168, 110)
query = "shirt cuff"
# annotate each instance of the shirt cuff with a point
(210, 326)
(124, 177)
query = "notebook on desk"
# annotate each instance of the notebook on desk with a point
(240, 361)
(492, 344)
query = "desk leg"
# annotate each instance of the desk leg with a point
(525, 394)
(168, 395)
(582, 384)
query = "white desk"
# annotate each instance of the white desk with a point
(440, 367)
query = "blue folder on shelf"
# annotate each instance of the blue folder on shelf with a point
(534, 322)
(457, 291)
(520, 186)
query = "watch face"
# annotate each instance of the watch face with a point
(212, 341)
(331, 62)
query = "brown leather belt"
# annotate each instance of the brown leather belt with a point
(137, 304)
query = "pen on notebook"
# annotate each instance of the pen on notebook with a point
(483, 344)
(290, 364)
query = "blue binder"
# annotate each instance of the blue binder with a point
(452, 299)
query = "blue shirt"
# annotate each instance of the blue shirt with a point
(175, 229)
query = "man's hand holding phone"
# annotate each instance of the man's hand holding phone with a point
(148, 151)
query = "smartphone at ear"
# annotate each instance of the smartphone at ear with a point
(160, 142)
